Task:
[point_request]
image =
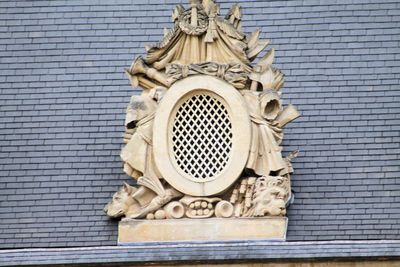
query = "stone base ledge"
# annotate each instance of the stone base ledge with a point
(212, 229)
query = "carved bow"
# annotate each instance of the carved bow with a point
(234, 74)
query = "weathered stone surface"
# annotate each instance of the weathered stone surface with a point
(212, 229)
(208, 123)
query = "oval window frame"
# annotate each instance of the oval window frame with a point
(241, 135)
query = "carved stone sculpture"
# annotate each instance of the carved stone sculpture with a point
(203, 139)
(269, 197)
(138, 152)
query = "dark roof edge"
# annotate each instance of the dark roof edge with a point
(202, 252)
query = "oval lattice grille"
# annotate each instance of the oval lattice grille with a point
(202, 136)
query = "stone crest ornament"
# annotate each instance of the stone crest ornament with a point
(203, 139)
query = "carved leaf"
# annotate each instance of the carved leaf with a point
(235, 12)
(260, 46)
(234, 16)
(229, 29)
(208, 5)
(293, 155)
(153, 184)
(165, 41)
(253, 39)
(177, 12)
(268, 59)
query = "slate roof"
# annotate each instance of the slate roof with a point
(208, 252)
(63, 94)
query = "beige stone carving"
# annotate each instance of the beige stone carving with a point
(232, 73)
(224, 209)
(133, 202)
(262, 196)
(242, 194)
(265, 75)
(216, 229)
(199, 207)
(138, 153)
(174, 210)
(265, 152)
(204, 137)
(128, 201)
(269, 197)
(289, 114)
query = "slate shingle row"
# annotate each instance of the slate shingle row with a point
(206, 252)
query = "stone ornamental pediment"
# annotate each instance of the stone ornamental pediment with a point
(203, 139)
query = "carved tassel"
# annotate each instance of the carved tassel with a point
(212, 27)
(210, 35)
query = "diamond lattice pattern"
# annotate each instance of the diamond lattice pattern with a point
(202, 136)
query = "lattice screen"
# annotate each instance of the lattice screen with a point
(202, 136)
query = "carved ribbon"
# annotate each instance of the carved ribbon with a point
(235, 74)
